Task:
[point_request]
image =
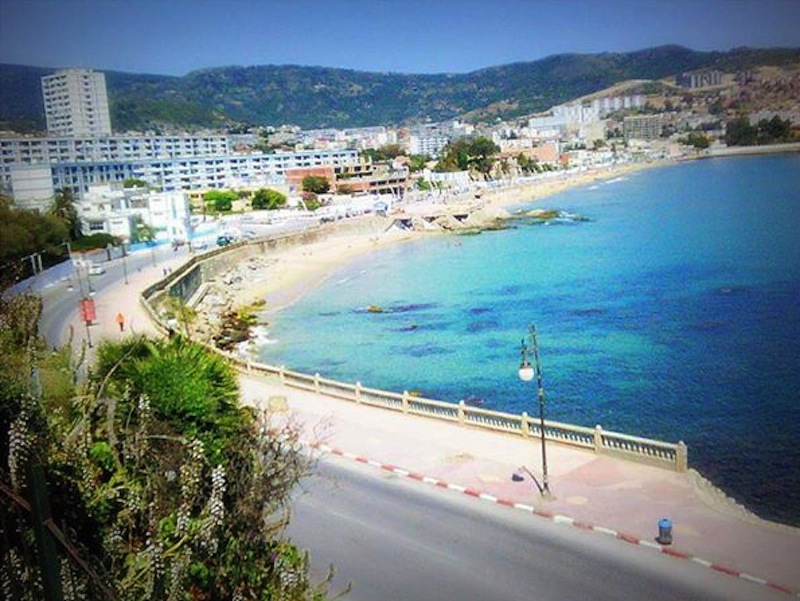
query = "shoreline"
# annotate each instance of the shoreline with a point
(293, 272)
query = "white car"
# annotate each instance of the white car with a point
(199, 245)
(96, 269)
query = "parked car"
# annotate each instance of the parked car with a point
(199, 245)
(224, 240)
(96, 269)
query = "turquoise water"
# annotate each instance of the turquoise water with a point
(673, 313)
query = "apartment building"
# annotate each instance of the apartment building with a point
(76, 103)
(112, 209)
(34, 185)
(32, 151)
(643, 127)
(611, 104)
(699, 79)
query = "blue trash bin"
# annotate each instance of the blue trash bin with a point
(664, 532)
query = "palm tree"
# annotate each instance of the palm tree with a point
(64, 208)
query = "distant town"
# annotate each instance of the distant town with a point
(123, 181)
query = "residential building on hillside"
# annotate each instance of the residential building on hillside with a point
(567, 119)
(699, 79)
(643, 127)
(611, 104)
(76, 103)
(430, 145)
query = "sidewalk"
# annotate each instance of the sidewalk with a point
(595, 492)
(603, 494)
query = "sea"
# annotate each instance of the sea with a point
(666, 304)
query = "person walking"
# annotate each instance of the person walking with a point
(121, 321)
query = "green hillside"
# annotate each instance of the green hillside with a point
(321, 97)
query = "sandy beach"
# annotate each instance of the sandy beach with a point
(286, 274)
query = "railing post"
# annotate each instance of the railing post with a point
(461, 413)
(598, 439)
(316, 383)
(524, 425)
(358, 393)
(405, 401)
(282, 375)
(682, 457)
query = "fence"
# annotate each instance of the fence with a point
(642, 450)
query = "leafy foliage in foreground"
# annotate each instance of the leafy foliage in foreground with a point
(166, 486)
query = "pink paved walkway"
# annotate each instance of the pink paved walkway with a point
(607, 493)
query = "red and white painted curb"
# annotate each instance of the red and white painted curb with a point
(557, 519)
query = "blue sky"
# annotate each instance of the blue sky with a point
(410, 36)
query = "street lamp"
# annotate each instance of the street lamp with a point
(125, 263)
(526, 374)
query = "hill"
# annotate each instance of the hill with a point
(313, 97)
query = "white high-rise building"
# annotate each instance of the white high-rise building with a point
(76, 103)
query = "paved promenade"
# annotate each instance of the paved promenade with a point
(605, 496)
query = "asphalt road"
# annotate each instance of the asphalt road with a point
(396, 539)
(61, 294)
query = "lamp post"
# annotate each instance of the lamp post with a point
(125, 263)
(526, 374)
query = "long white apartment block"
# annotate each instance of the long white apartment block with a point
(29, 151)
(76, 103)
(33, 185)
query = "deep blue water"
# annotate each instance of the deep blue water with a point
(674, 313)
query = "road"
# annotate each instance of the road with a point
(397, 539)
(61, 294)
(60, 290)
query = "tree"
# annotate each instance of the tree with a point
(455, 157)
(775, 130)
(25, 233)
(134, 183)
(417, 162)
(219, 200)
(182, 312)
(740, 133)
(316, 184)
(384, 153)
(268, 199)
(64, 208)
(160, 481)
(697, 140)
(311, 201)
(462, 154)
(141, 231)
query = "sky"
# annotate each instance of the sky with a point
(174, 37)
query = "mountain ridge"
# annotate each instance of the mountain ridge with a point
(314, 97)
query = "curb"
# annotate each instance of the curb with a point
(558, 519)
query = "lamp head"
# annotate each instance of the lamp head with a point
(526, 372)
